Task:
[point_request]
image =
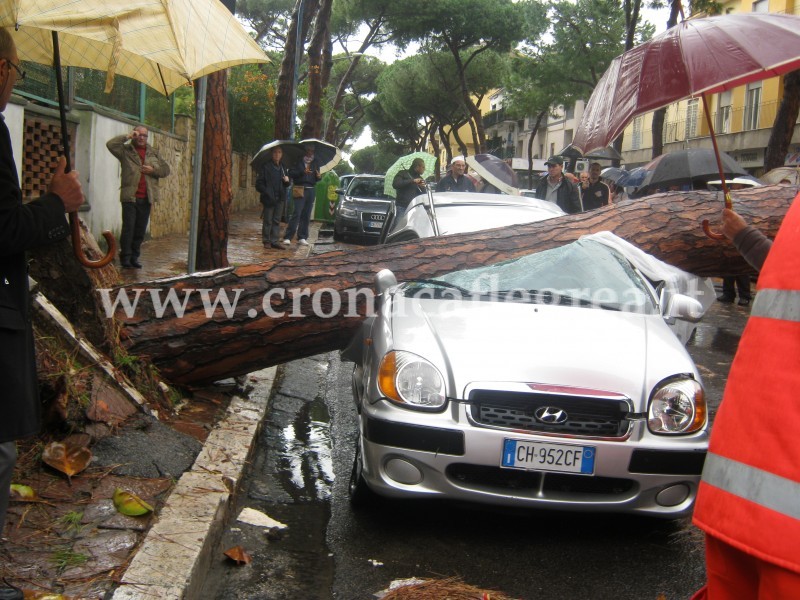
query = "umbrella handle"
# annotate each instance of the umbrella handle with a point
(712, 234)
(75, 228)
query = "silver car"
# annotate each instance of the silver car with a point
(443, 213)
(549, 381)
(361, 211)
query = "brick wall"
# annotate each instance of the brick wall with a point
(42, 147)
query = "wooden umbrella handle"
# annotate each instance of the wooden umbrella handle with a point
(707, 230)
(75, 229)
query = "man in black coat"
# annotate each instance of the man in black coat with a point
(271, 183)
(22, 227)
(409, 184)
(557, 188)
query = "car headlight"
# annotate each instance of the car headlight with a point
(347, 210)
(411, 381)
(677, 406)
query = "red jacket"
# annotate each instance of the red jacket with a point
(749, 495)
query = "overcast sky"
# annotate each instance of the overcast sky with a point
(389, 54)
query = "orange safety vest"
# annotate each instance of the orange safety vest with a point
(749, 495)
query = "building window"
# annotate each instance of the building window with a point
(691, 119)
(724, 112)
(568, 135)
(552, 149)
(569, 112)
(752, 106)
(636, 142)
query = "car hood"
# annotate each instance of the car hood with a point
(473, 341)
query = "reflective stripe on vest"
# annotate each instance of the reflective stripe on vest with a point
(777, 304)
(765, 489)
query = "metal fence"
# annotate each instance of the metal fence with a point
(129, 98)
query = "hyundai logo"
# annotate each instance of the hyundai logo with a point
(550, 415)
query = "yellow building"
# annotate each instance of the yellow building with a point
(464, 134)
(742, 117)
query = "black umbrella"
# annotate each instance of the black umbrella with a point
(327, 155)
(607, 153)
(692, 166)
(292, 153)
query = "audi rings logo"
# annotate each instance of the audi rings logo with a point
(550, 415)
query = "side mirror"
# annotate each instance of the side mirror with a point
(384, 279)
(684, 308)
(340, 190)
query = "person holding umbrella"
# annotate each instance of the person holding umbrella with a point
(22, 227)
(409, 184)
(306, 174)
(271, 182)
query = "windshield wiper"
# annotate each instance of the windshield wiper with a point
(444, 284)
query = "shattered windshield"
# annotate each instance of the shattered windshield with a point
(583, 273)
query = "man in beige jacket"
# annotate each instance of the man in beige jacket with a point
(142, 167)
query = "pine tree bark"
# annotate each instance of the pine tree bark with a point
(285, 309)
(216, 188)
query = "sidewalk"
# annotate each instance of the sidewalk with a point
(168, 256)
(171, 562)
(72, 541)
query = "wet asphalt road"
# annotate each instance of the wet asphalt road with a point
(299, 475)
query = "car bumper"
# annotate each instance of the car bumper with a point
(441, 456)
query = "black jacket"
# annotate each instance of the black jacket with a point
(22, 227)
(270, 183)
(407, 190)
(567, 195)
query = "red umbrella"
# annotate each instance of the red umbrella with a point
(694, 58)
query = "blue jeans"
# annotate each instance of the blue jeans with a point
(301, 217)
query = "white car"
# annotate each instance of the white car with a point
(443, 213)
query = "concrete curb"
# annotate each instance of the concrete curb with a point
(174, 556)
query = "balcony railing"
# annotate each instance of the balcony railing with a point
(494, 117)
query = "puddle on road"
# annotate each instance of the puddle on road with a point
(305, 450)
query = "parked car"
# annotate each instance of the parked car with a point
(548, 381)
(344, 181)
(461, 212)
(361, 210)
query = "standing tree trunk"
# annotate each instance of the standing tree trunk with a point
(780, 137)
(274, 312)
(312, 125)
(216, 191)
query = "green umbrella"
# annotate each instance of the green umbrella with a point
(404, 164)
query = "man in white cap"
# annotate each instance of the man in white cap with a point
(456, 180)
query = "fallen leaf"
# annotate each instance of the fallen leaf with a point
(239, 555)
(66, 457)
(22, 492)
(128, 503)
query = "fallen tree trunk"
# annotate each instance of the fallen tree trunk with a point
(274, 312)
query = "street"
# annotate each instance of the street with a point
(299, 475)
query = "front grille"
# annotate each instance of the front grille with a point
(541, 485)
(589, 417)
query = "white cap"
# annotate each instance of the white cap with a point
(460, 157)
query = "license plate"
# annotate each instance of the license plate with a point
(547, 456)
(375, 224)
